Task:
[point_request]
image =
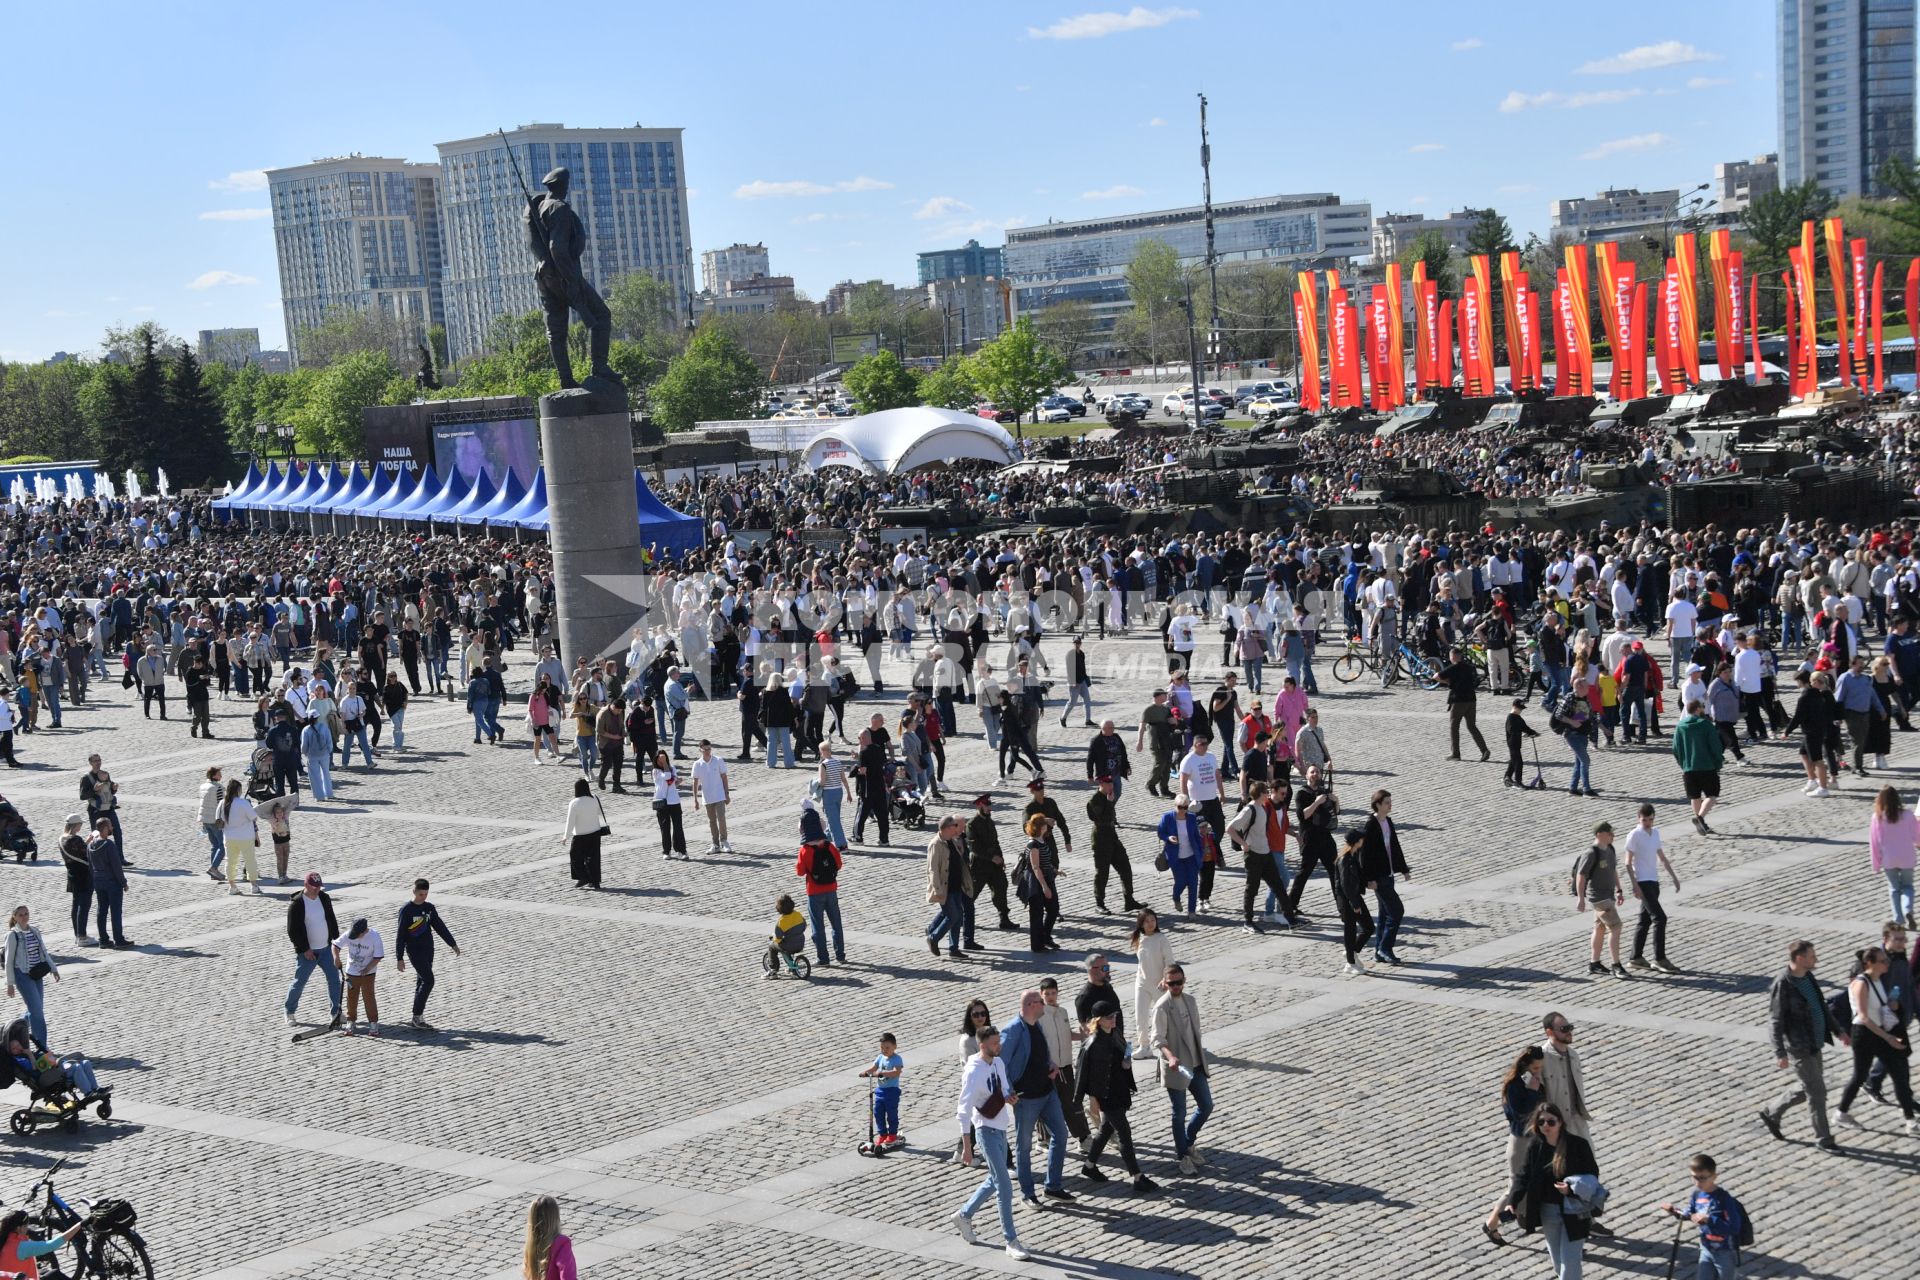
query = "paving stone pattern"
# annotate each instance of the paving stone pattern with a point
(620, 1051)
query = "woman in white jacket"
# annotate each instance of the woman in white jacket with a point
(1152, 953)
(585, 821)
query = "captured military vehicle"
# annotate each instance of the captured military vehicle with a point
(1405, 494)
(1539, 410)
(1629, 413)
(1446, 410)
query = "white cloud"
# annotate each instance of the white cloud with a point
(1471, 42)
(1156, 123)
(1518, 101)
(1118, 191)
(942, 207)
(241, 180)
(1648, 57)
(1618, 146)
(235, 215)
(1707, 82)
(1092, 26)
(974, 229)
(761, 190)
(214, 279)
(1419, 147)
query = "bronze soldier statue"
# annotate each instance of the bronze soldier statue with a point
(557, 238)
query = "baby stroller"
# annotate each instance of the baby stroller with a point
(15, 836)
(789, 948)
(907, 805)
(260, 775)
(61, 1091)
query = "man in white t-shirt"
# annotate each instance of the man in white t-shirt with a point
(1645, 856)
(712, 787)
(1683, 621)
(1200, 783)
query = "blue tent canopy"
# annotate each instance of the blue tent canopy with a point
(476, 498)
(509, 495)
(376, 495)
(531, 511)
(321, 498)
(392, 496)
(357, 488)
(438, 504)
(304, 486)
(277, 483)
(424, 488)
(248, 483)
(674, 531)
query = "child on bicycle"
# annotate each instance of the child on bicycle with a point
(789, 938)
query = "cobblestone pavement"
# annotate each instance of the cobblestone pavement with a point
(620, 1050)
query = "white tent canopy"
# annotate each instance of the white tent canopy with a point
(896, 440)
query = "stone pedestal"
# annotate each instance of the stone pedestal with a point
(587, 445)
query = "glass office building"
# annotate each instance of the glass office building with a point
(1846, 91)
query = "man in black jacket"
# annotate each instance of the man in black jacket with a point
(1461, 680)
(419, 921)
(1109, 854)
(985, 860)
(311, 928)
(1800, 1032)
(1107, 758)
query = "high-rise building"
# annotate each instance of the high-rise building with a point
(1846, 91)
(629, 187)
(721, 267)
(954, 264)
(231, 347)
(1394, 233)
(361, 232)
(972, 310)
(1737, 183)
(1087, 261)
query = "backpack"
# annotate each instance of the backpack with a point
(1839, 1011)
(823, 871)
(1743, 1225)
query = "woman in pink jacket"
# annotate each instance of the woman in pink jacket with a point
(1891, 842)
(549, 1255)
(1289, 713)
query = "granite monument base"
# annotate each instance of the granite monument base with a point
(587, 444)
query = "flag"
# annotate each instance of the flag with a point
(1671, 340)
(1637, 340)
(1753, 322)
(1578, 290)
(1442, 340)
(1422, 354)
(1726, 303)
(1911, 297)
(1306, 305)
(1879, 314)
(1523, 316)
(1380, 346)
(1837, 276)
(1512, 279)
(1483, 272)
(1739, 317)
(1795, 352)
(1566, 348)
(1806, 366)
(1620, 331)
(1688, 338)
(1606, 258)
(1858, 252)
(1396, 339)
(1338, 336)
(1472, 334)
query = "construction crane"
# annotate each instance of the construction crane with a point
(773, 379)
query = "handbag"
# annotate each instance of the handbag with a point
(996, 1102)
(605, 830)
(1160, 862)
(40, 971)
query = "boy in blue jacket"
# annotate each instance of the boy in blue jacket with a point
(1717, 1214)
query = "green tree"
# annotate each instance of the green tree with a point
(642, 304)
(1156, 328)
(880, 381)
(1068, 329)
(123, 345)
(1432, 248)
(1016, 369)
(1489, 233)
(198, 452)
(135, 427)
(714, 379)
(1256, 313)
(328, 418)
(950, 386)
(345, 331)
(1772, 225)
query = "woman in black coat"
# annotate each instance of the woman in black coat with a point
(1538, 1192)
(1814, 716)
(1380, 860)
(1105, 1075)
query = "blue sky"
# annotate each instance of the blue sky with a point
(847, 136)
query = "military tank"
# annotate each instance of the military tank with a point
(1540, 411)
(1618, 493)
(1406, 494)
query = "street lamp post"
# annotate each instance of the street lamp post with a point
(261, 431)
(286, 439)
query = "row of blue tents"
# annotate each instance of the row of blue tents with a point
(345, 492)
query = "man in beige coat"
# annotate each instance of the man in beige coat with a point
(1183, 1064)
(950, 884)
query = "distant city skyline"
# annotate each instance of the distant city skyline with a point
(172, 223)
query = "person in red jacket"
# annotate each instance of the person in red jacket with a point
(819, 865)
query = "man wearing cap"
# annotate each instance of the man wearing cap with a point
(986, 861)
(311, 927)
(557, 238)
(1157, 720)
(1044, 803)
(1109, 854)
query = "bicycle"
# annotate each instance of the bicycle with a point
(107, 1247)
(1425, 675)
(1358, 660)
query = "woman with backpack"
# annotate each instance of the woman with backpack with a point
(1876, 1038)
(819, 865)
(1541, 1190)
(1571, 722)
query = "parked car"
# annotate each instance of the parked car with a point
(1174, 403)
(1073, 408)
(1218, 396)
(1210, 411)
(1055, 413)
(1269, 407)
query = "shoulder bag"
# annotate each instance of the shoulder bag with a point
(604, 830)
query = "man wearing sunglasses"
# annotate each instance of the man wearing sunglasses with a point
(1562, 1083)
(1183, 1064)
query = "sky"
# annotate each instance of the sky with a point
(845, 136)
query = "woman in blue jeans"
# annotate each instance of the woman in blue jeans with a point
(583, 739)
(1539, 1193)
(984, 1089)
(29, 963)
(1575, 716)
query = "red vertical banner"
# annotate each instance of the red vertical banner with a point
(1524, 328)
(1578, 290)
(1620, 331)
(1422, 353)
(1606, 258)
(1566, 346)
(1837, 275)
(1725, 300)
(1339, 338)
(1687, 340)
(1911, 297)
(1806, 364)
(1753, 324)
(1672, 341)
(1857, 253)
(1794, 350)
(1381, 331)
(1356, 348)
(1733, 363)
(1483, 272)
(1879, 314)
(1472, 334)
(1637, 339)
(1306, 309)
(1512, 278)
(1442, 339)
(1396, 339)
